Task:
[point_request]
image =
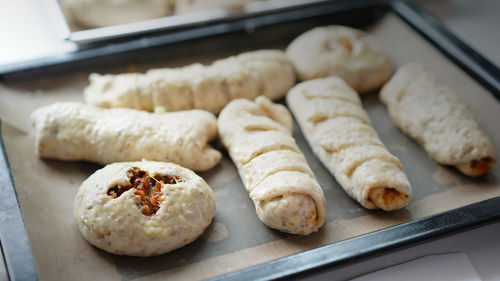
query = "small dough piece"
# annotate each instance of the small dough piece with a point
(264, 72)
(99, 13)
(143, 208)
(190, 6)
(348, 145)
(258, 136)
(340, 51)
(74, 131)
(432, 113)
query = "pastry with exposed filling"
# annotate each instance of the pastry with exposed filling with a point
(143, 208)
(286, 194)
(431, 112)
(340, 133)
(340, 51)
(75, 131)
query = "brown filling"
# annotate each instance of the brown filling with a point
(482, 165)
(387, 198)
(147, 194)
(344, 41)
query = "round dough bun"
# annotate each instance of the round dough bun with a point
(340, 51)
(99, 13)
(116, 210)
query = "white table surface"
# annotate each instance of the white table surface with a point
(25, 33)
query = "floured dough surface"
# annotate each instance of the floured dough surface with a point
(74, 131)
(340, 51)
(263, 72)
(431, 112)
(99, 13)
(258, 136)
(339, 131)
(143, 208)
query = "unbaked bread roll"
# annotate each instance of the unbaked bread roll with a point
(190, 6)
(74, 131)
(340, 51)
(339, 131)
(99, 13)
(286, 195)
(432, 113)
(266, 72)
(143, 208)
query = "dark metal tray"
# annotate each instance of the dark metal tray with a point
(255, 31)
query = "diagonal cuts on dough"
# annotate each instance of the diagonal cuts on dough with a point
(258, 136)
(347, 144)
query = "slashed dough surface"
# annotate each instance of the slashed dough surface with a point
(431, 112)
(116, 223)
(264, 72)
(340, 51)
(74, 131)
(347, 144)
(258, 136)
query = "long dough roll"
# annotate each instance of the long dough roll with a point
(264, 72)
(432, 113)
(74, 131)
(286, 195)
(340, 133)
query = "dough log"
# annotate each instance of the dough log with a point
(432, 113)
(143, 208)
(340, 133)
(286, 195)
(73, 131)
(264, 72)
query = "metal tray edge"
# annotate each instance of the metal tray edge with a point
(15, 244)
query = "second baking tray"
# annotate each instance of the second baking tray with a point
(237, 245)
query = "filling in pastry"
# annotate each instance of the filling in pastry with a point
(388, 198)
(147, 194)
(482, 165)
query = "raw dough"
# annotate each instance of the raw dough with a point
(432, 113)
(74, 131)
(339, 131)
(190, 6)
(285, 192)
(340, 51)
(266, 72)
(168, 207)
(99, 13)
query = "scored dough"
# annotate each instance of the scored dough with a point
(143, 208)
(285, 192)
(74, 131)
(99, 13)
(431, 112)
(266, 72)
(347, 144)
(340, 51)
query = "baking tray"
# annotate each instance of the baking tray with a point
(168, 23)
(16, 246)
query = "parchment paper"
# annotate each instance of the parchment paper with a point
(236, 239)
